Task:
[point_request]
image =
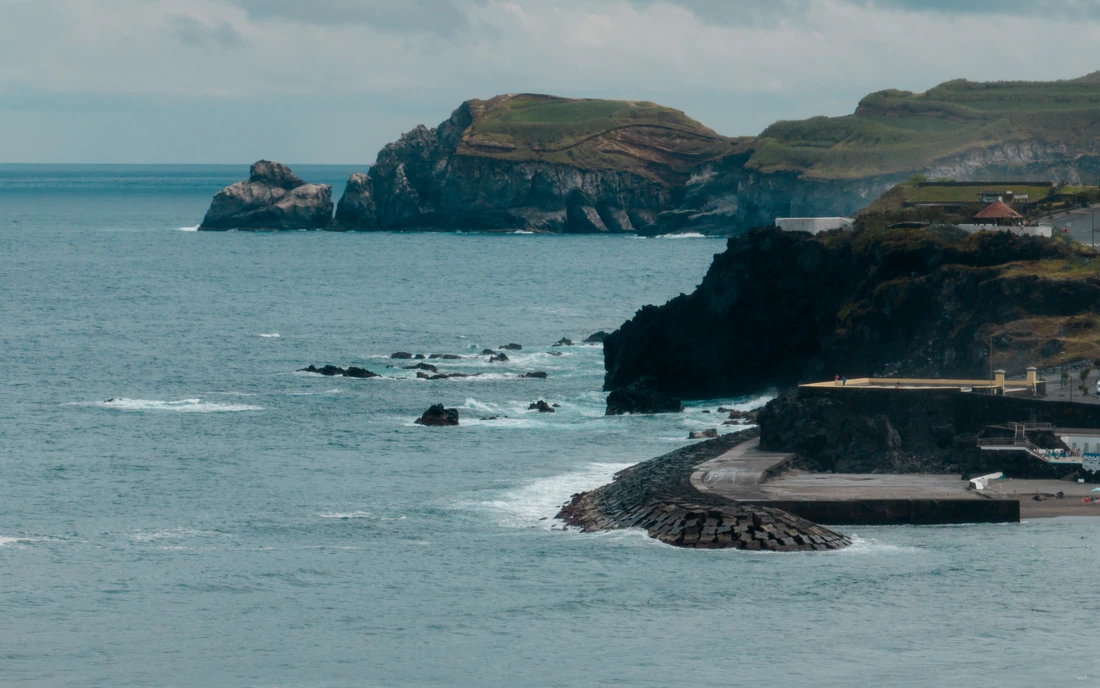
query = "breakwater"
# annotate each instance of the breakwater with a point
(657, 495)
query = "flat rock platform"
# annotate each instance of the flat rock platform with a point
(748, 475)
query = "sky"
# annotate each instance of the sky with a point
(332, 81)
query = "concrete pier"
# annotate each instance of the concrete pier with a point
(747, 475)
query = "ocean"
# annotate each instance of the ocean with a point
(179, 507)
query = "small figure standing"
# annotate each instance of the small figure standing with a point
(843, 381)
(836, 380)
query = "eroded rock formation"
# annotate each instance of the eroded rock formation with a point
(272, 198)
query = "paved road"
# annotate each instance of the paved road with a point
(1079, 223)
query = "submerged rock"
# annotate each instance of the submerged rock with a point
(596, 337)
(535, 375)
(541, 406)
(510, 347)
(642, 396)
(423, 366)
(437, 416)
(563, 342)
(272, 198)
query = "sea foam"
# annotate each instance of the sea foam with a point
(535, 504)
(182, 405)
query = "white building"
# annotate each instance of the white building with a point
(813, 225)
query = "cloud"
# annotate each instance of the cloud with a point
(194, 32)
(379, 67)
(429, 16)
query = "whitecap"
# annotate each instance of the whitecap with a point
(181, 405)
(188, 229)
(172, 534)
(685, 235)
(345, 515)
(535, 504)
(521, 231)
(273, 335)
(14, 540)
(871, 546)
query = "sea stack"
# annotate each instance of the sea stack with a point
(272, 198)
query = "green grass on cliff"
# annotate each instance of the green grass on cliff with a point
(895, 131)
(907, 193)
(631, 136)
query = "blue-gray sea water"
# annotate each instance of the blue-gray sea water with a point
(229, 522)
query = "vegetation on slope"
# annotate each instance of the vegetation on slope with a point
(640, 137)
(782, 307)
(897, 131)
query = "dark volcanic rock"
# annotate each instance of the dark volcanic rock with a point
(437, 416)
(329, 370)
(536, 374)
(541, 406)
(563, 342)
(511, 347)
(498, 358)
(402, 355)
(488, 352)
(333, 371)
(272, 198)
(642, 396)
(902, 431)
(356, 371)
(596, 338)
(445, 357)
(423, 366)
(783, 307)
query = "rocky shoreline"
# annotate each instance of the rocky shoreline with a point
(657, 495)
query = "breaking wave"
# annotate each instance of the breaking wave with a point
(181, 405)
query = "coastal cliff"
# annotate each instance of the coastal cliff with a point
(778, 308)
(532, 162)
(550, 164)
(272, 198)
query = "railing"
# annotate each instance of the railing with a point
(1022, 444)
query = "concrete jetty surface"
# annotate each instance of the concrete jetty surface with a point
(748, 475)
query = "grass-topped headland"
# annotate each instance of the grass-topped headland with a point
(641, 137)
(896, 131)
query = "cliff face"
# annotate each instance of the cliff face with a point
(531, 162)
(911, 431)
(778, 308)
(272, 198)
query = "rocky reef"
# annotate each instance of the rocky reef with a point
(777, 308)
(657, 495)
(272, 198)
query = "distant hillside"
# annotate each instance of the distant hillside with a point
(639, 137)
(897, 131)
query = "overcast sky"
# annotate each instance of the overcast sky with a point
(331, 81)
